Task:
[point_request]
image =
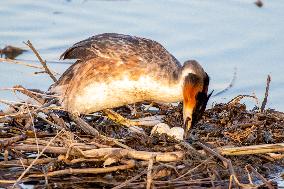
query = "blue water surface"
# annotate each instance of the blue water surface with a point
(222, 35)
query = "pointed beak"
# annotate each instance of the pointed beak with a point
(187, 117)
(192, 86)
(195, 99)
(193, 111)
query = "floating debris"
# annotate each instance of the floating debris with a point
(258, 3)
(11, 52)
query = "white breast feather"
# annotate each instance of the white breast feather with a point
(98, 96)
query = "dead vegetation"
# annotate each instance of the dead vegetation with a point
(230, 147)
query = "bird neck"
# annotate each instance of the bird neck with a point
(183, 72)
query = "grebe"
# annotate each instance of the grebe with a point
(113, 70)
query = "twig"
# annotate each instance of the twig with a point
(29, 44)
(13, 163)
(240, 97)
(191, 149)
(106, 152)
(124, 184)
(266, 182)
(115, 141)
(121, 120)
(38, 156)
(49, 149)
(275, 156)
(60, 124)
(92, 131)
(129, 164)
(7, 181)
(191, 170)
(226, 161)
(253, 149)
(266, 93)
(84, 125)
(249, 175)
(141, 155)
(28, 93)
(33, 91)
(149, 173)
(7, 142)
(7, 60)
(33, 126)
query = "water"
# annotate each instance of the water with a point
(221, 35)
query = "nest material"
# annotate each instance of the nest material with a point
(44, 146)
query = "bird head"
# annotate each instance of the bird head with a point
(195, 93)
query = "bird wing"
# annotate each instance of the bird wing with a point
(125, 51)
(119, 46)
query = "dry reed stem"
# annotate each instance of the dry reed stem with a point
(106, 152)
(141, 155)
(49, 149)
(266, 93)
(146, 121)
(32, 91)
(23, 113)
(253, 149)
(33, 126)
(38, 156)
(115, 141)
(28, 93)
(92, 131)
(7, 142)
(30, 45)
(266, 182)
(27, 162)
(149, 173)
(191, 170)
(275, 156)
(60, 124)
(84, 125)
(227, 163)
(127, 182)
(238, 98)
(10, 61)
(122, 120)
(17, 62)
(129, 164)
(7, 181)
(191, 149)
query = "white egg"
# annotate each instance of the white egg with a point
(160, 128)
(176, 132)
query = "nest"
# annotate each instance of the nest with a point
(44, 146)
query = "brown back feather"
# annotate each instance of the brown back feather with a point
(131, 54)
